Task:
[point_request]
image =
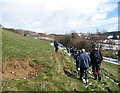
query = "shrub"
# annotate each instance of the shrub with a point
(73, 40)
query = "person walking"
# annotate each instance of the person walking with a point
(72, 51)
(84, 63)
(68, 49)
(76, 57)
(56, 45)
(96, 60)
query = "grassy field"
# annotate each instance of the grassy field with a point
(110, 53)
(111, 70)
(52, 71)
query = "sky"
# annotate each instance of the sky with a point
(60, 16)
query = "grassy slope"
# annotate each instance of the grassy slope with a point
(16, 46)
(111, 70)
(40, 52)
(58, 74)
(109, 53)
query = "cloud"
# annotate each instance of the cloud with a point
(57, 16)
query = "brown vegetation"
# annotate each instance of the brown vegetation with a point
(74, 40)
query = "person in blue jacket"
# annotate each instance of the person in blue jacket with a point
(56, 45)
(84, 63)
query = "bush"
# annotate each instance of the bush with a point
(73, 40)
(65, 40)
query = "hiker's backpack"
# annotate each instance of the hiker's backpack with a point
(97, 56)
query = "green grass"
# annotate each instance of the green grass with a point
(52, 78)
(110, 53)
(58, 73)
(111, 70)
(17, 46)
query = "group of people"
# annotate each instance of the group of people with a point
(84, 61)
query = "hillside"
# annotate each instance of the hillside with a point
(114, 32)
(32, 65)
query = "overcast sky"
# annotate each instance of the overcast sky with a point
(60, 16)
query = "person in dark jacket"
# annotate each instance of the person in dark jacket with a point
(56, 45)
(72, 51)
(84, 63)
(76, 57)
(68, 49)
(96, 60)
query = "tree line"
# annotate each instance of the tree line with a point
(79, 42)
